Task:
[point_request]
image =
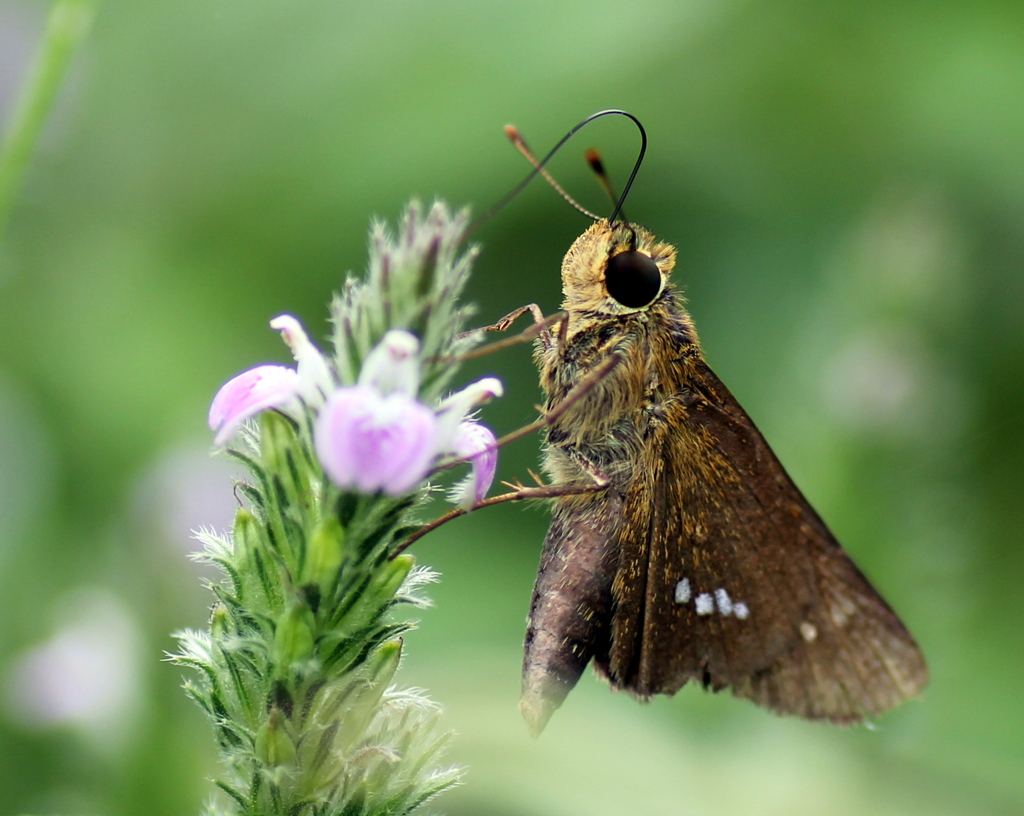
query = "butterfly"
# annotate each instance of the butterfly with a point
(689, 554)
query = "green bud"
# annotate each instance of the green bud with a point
(323, 558)
(274, 747)
(394, 574)
(220, 622)
(384, 664)
(381, 591)
(293, 640)
(380, 671)
(276, 437)
(246, 532)
(252, 562)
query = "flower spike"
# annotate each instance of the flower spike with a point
(297, 666)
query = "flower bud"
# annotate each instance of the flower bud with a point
(393, 365)
(274, 747)
(245, 532)
(384, 664)
(394, 574)
(381, 591)
(220, 622)
(293, 640)
(277, 436)
(324, 555)
(256, 580)
(381, 668)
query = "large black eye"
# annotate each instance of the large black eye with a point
(632, 278)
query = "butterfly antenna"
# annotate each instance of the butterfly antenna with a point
(594, 160)
(494, 210)
(516, 138)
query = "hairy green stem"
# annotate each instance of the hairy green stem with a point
(67, 25)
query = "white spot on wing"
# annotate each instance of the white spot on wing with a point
(724, 602)
(840, 610)
(740, 610)
(809, 631)
(683, 591)
(705, 605)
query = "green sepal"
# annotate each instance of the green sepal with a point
(250, 545)
(293, 640)
(381, 668)
(379, 593)
(274, 746)
(324, 556)
(277, 435)
(220, 622)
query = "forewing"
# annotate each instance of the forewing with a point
(728, 576)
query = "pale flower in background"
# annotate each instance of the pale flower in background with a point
(86, 676)
(182, 490)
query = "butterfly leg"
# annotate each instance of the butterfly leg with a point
(539, 328)
(580, 390)
(519, 494)
(585, 464)
(511, 317)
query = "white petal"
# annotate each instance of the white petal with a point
(394, 365)
(454, 409)
(315, 380)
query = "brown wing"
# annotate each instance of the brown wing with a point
(728, 576)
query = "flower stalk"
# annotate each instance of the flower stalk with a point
(67, 26)
(296, 670)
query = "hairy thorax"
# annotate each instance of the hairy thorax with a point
(604, 429)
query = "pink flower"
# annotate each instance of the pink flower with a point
(252, 391)
(376, 436)
(477, 444)
(454, 408)
(372, 442)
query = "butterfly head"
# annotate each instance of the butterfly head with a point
(615, 269)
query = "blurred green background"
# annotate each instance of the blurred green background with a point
(845, 183)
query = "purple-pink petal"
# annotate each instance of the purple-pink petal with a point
(371, 442)
(252, 391)
(478, 444)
